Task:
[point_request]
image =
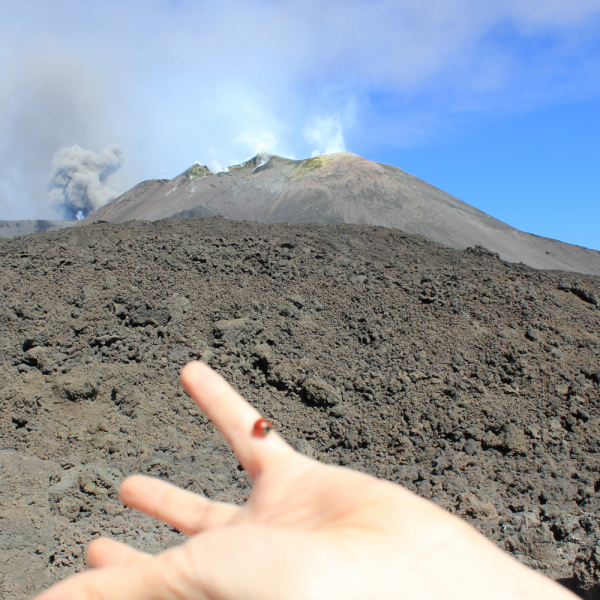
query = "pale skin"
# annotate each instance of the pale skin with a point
(308, 532)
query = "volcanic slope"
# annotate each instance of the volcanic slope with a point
(472, 381)
(340, 188)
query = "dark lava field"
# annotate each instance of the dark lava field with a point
(472, 381)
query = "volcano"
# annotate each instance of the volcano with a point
(333, 189)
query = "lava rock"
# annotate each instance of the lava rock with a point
(319, 392)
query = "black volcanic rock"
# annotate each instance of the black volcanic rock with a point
(472, 381)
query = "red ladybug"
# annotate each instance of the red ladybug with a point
(262, 427)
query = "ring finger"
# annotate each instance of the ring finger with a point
(186, 511)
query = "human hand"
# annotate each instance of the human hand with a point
(308, 531)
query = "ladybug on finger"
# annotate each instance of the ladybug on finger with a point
(261, 428)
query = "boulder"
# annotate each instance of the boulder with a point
(319, 392)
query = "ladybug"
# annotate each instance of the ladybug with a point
(261, 427)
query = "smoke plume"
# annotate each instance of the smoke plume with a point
(81, 180)
(326, 135)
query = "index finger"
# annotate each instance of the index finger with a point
(234, 417)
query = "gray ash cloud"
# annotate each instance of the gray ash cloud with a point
(82, 181)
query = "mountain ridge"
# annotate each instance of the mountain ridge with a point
(332, 189)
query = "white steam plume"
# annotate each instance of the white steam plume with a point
(81, 180)
(263, 159)
(326, 134)
(215, 167)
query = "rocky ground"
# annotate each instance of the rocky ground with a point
(472, 381)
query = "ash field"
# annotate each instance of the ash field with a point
(472, 381)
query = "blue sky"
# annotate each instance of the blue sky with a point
(495, 102)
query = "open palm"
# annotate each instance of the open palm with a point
(308, 531)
